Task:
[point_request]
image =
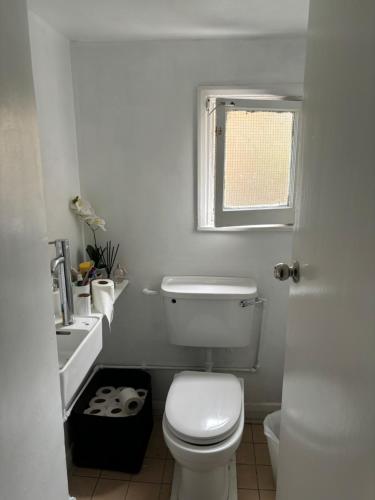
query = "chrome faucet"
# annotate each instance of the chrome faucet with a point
(61, 265)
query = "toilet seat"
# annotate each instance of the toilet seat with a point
(203, 408)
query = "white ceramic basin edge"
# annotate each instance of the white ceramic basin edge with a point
(78, 346)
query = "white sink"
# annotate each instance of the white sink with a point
(78, 346)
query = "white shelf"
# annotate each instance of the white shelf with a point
(118, 291)
(120, 288)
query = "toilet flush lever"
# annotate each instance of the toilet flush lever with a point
(283, 272)
(251, 302)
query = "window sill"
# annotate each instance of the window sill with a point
(241, 229)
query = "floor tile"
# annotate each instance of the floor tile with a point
(165, 492)
(110, 489)
(245, 454)
(143, 491)
(156, 447)
(168, 471)
(83, 471)
(152, 471)
(82, 487)
(265, 478)
(158, 427)
(262, 456)
(247, 435)
(114, 474)
(258, 433)
(267, 495)
(246, 477)
(247, 495)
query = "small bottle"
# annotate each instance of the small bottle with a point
(119, 274)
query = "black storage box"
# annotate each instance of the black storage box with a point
(114, 443)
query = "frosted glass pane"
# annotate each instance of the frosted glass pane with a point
(257, 160)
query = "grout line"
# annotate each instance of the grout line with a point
(71, 473)
(115, 479)
(96, 484)
(145, 482)
(127, 489)
(162, 474)
(256, 473)
(252, 435)
(84, 475)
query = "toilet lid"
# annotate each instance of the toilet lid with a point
(204, 408)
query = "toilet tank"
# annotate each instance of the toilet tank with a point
(209, 311)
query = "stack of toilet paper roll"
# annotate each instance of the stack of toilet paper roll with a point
(120, 402)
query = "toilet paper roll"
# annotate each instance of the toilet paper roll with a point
(82, 306)
(116, 411)
(95, 410)
(100, 401)
(142, 393)
(131, 402)
(77, 290)
(107, 390)
(116, 398)
(80, 289)
(103, 297)
(115, 401)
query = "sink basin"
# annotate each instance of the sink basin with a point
(78, 346)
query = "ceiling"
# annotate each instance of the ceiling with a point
(110, 20)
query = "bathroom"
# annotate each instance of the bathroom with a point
(115, 95)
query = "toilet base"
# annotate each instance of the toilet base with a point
(232, 476)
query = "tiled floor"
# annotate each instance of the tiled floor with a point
(254, 475)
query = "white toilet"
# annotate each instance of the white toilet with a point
(204, 413)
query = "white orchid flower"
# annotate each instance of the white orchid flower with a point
(95, 222)
(83, 209)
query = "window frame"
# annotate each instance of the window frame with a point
(210, 215)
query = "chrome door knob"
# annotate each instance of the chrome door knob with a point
(283, 272)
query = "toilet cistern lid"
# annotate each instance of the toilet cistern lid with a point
(204, 408)
(208, 287)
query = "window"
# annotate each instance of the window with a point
(247, 151)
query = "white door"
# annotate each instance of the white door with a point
(327, 449)
(32, 454)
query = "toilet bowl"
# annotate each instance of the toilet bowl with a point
(202, 425)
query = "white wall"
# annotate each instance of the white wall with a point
(52, 73)
(136, 124)
(32, 458)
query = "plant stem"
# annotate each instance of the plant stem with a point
(93, 233)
